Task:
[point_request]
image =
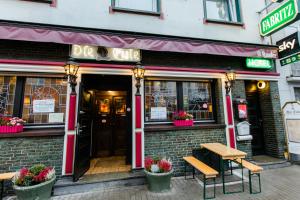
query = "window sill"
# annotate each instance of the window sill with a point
(35, 133)
(160, 128)
(140, 12)
(241, 24)
(42, 1)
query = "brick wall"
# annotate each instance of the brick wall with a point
(24, 152)
(177, 144)
(274, 134)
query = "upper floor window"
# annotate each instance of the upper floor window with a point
(223, 10)
(151, 6)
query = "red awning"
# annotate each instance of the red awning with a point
(119, 40)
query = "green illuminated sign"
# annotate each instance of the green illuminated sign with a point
(259, 63)
(291, 59)
(278, 18)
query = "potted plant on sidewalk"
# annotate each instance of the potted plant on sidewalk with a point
(158, 174)
(11, 124)
(183, 118)
(34, 183)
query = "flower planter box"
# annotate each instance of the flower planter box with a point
(40, 191)
(158, 182)
(183, 122)
(11, 129)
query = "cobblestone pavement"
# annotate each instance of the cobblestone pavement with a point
(277, 184)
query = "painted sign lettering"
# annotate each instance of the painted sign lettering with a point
(278, 18)
(105, 53)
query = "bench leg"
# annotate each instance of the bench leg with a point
(193, 172)
(184, 169)
(204, 188)
(250, 183)
(2, 189)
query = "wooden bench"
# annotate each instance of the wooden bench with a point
(207, 171)
(253, 170)
(4, 177)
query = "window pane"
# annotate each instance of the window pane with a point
(160, 100)
(225, 10)
(297, 93)
(7, 94)
(145, 5)
(44, 100)
(197, 100)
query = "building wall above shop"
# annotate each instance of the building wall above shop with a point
(177, 18)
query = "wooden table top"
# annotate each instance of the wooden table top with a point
(7, 176)
(224, 151)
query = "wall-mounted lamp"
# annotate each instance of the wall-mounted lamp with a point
(230, 78)
(138, 72)
(261, 85)
(71, 69)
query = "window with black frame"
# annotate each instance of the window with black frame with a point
(38, 100)
(223, 10)
(152, 6)
(164, 98)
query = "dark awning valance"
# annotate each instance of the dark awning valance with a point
(144, 42)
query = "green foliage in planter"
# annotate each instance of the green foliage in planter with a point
(36, 169)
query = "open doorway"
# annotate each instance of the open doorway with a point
(103, 144)
(255, 118)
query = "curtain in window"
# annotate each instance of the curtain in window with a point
(197, 100)
(44, 100)
(225, 10)
(233, 10)
(7, 94)
(160, 100)
(144, 5)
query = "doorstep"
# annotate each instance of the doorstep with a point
(269, 162)
(65, 185)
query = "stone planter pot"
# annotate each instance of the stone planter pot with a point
(158, 182)
(40, 191)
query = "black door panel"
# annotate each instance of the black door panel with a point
(83, 134)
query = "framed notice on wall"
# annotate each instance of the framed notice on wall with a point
(43, 106)
(159, 113)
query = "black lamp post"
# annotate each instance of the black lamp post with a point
(138, 72)
(71, 69)
(230, 78)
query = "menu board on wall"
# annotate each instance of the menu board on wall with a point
(43, 106)
(159, 113)
(56, 117)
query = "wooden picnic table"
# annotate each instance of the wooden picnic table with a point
(226, 153)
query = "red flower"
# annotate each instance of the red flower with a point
(42, 175)
(164, 165)
(148, 162)
(23, 172)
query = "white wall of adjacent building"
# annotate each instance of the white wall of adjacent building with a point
(180, 18)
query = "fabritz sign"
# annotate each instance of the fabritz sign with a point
(288, 45)
(280, 17)
(105, 53)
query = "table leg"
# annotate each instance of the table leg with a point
(222, 173)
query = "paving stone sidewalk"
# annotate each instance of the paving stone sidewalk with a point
(277, 184)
